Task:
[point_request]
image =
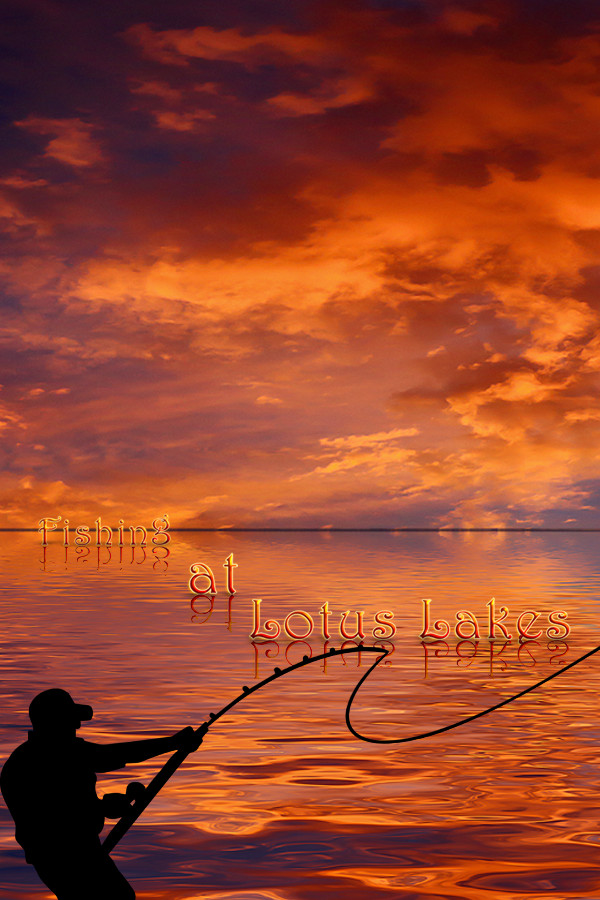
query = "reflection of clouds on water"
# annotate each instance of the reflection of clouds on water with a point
(281, 801)
(243, 895)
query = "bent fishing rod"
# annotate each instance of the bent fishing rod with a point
(163, 775)
(170, 767)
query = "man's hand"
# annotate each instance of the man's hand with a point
(114, 806)
(188, 739)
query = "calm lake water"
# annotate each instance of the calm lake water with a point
(281, 802)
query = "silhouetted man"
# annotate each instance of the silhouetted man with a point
(48, 784)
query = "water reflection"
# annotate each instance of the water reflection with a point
(282, 802)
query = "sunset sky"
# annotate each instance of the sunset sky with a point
(302, 263)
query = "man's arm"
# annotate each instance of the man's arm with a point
(115, 756)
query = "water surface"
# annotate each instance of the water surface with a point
(282, 802)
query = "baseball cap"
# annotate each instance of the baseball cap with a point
(57, 704)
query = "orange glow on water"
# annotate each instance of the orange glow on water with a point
(281, 799)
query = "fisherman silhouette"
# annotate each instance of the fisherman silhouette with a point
(48, 784)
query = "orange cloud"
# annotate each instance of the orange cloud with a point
(333, 94)
(72, 142)
(186, 121)
(177, 45)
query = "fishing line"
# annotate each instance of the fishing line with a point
(426, 734)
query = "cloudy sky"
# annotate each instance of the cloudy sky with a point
(303, 263)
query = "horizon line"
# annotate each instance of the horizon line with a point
(388, 530)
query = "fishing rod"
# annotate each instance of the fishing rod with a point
(142, 800)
